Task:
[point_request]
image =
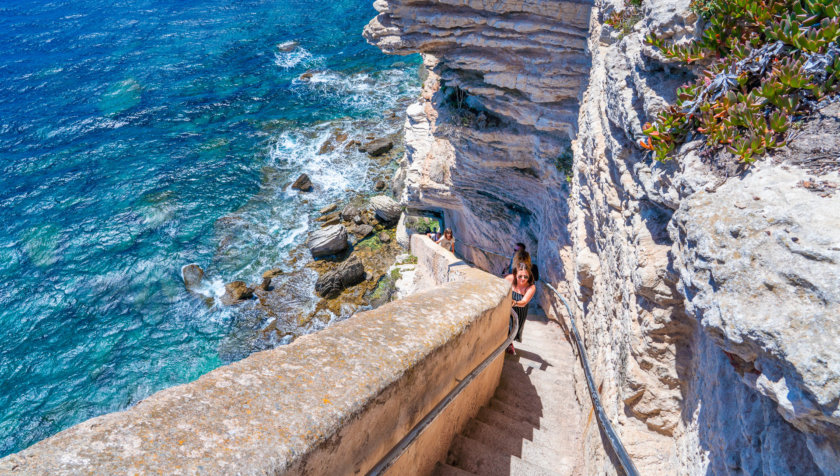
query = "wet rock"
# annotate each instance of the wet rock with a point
(330, 222)
(330, 217)
(302, 183)
(348, 273)
(384, 237)
(349, 212)
(305, 76)
(328, 209)
(380, 185)
(235, 292)
(358, 220)
(338, 136)
(386, 209)
(377, 147)
(327, 241)
(268, 276)
(287, 47)
(192, 275)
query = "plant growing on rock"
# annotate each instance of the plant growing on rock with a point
(766, 63)
(624, 20)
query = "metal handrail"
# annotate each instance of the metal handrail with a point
(409, 438)
(601, 415)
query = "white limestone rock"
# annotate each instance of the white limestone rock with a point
(328, 241)
(386, 209)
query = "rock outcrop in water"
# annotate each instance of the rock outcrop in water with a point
(707, 294)
(192, 275)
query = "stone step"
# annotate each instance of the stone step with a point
(538, 410)
(539, 404)
(525, 368)
(570, 417)
(478, 458)
(548, 435)
(442, 469)
(530, 364)
(538, 383)
(510, 444)
(534, 406)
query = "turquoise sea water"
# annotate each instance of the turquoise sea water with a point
(140, 136)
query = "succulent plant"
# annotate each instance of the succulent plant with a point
(765, 63)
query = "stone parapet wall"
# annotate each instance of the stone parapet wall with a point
(334, 402)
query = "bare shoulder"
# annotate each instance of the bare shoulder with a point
(509, 278)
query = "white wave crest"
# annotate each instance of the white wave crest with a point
(294, 57)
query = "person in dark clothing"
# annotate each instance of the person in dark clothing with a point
(523, 289)
(522, 256)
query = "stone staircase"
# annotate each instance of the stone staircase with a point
(532, 424)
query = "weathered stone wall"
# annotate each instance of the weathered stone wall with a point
(713, 334)
(333, 402)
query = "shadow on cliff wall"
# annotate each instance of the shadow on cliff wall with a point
(740, 430)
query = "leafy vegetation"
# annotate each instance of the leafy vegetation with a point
(624, 20)
(386, 287)
(564, 163)
(766, 63)
(424, 224)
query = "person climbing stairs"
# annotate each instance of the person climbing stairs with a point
(532, 425)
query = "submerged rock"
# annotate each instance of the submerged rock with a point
(380, 185)
(235, 292)
(287, 46)
(192, 275)
(384, 237)
(328, 241)
(303, 183)
(348, 273)
(386, 209)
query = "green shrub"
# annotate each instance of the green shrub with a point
(767, 63)
(425, 225)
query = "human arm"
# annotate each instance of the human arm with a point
(452, 245)
(527, 297)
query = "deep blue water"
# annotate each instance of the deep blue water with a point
(127, 130)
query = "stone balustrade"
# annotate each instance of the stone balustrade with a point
(334, 402)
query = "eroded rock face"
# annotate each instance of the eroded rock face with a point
(759, 260)
(327, 241)
(527, 130)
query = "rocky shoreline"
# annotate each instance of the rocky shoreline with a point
(346, 264)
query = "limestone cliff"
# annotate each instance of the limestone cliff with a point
(708, 295)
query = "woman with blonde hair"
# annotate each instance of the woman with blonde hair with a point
(523, 289)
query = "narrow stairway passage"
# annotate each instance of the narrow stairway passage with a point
(533, 422)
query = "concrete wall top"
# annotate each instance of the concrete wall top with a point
(266, 413)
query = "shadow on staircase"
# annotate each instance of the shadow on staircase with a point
(531, 425)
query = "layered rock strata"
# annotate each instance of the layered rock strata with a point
(707, 294)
